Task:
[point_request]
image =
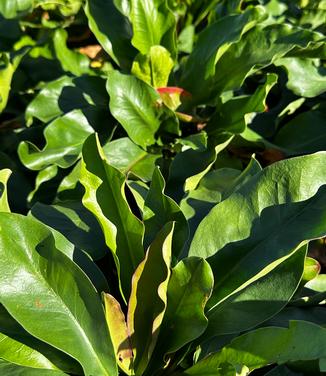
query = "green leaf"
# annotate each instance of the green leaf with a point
(40, 285)
(43, 176)
(8, 66)
(112, 29)
(189, 166)
(304, 133)
(148, 299)
(137, 107)
(116, 321)
(225, 73)
(71, 61)
(139, 191)
(212, 43)
(4, 177)
(288, 192)
(231, 115)
(189, 288)
(259, 298)
(160, 209)
(214, 187)
(130, 159)
(105, 198)
(252, 351)
(11, 328)
(314, 315)
(64, 140)
(18, 353)
(305, 77)
(10, 369)
(66, 94)
(14, 8)
(81, 258)
(153, 24)
(76, 223)
(153, 68)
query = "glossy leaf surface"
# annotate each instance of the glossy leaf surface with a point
(51, 288)
(148, 299)
(105, 198)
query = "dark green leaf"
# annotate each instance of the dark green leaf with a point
(251, 351)
(112, 29)
(160, 209)
(189, 288)
(303, 134)
(75, 222)
(259, 298)
(247, 239)
(66, 94)
(105, 198)
(40, 285)
(137, 107)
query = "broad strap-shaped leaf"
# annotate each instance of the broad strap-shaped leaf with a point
(214, 187)
(303, 133)
(189, 288)
(71, 61)
(40, 285)
(64, 140)
(225, 73)
(117, 324)
(305, 77)
(112, 29)
(153, 68)
(16, 352)
(190, 166)
(264, 220)
(160, 209)
(12, 329)
(148, 299)
(137, 107)
(231, 115)
(265, 346)
(130, 159)
(259, 298)
(12, 369)
(66, 94)
(76, 223)
(105, 198)
(81, 258)
(4, 177)
(153, 24)
(212, 43)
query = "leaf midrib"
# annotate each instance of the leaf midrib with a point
(257, 245)
(66, 309)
